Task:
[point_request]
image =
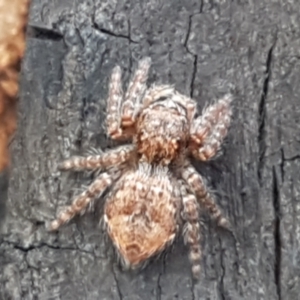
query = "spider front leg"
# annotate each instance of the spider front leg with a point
(82, 201)
(209, 130)
(114, 102)
(135, 92)
(206, 200)
(121, 113)
(191, 230)
(111, 158)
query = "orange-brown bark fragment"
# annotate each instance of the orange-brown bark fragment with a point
(13, 19)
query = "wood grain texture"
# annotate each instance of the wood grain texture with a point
(206, 49)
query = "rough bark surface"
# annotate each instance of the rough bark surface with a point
(205, 48)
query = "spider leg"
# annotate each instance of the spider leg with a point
(205, 198)
(114, 102)
(209, 130)
(136, 90)
(111, 158)
(191, 230)
(81, 202)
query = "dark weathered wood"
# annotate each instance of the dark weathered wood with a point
(205, 48)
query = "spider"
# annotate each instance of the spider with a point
(154, 188)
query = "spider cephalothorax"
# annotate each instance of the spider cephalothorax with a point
(161, 128)
(153, 186)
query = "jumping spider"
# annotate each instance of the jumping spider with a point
(153, 184)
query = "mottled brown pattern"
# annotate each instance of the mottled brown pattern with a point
(153, 185)
(141, 214)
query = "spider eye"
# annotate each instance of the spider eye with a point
(161, 99)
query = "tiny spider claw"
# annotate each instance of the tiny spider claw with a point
(127, 120)
(228, 98)
(147, 59)
(52, 226)
(115, 134)
(223, 222)
(196, 271)
(145, 63)
(63, 165)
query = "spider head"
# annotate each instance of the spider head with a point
(162, 131)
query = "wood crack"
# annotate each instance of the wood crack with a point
(277, 236)
(262, 112)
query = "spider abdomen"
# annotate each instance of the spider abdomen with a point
(140, 216)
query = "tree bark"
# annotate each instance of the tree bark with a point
(205, 48)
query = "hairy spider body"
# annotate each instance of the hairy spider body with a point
(154, 187)
(141, 212)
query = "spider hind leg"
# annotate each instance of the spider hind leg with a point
(191, 230)
(205, 198)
